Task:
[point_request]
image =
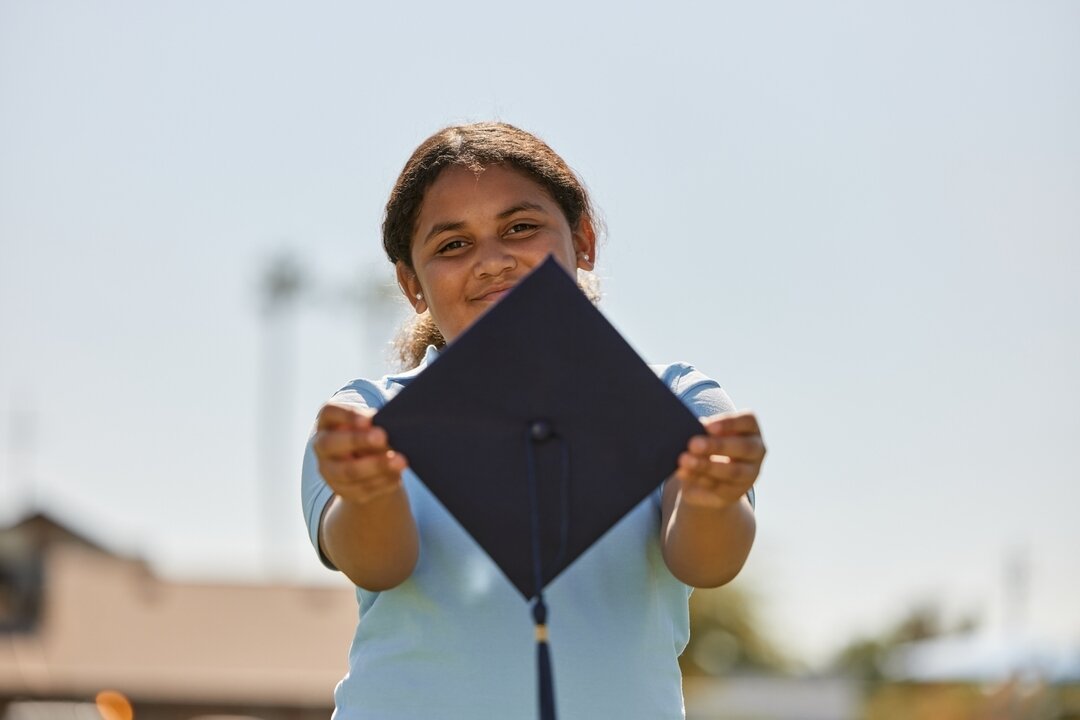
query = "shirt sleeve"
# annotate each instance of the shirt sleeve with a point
(315, 494)
(702, 395)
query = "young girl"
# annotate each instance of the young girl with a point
(441, 636)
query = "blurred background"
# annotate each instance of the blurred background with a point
(862, 219)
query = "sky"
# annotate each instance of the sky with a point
(861, 218)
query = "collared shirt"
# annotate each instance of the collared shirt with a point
(455, 640)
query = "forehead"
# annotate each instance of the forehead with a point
(459, 192)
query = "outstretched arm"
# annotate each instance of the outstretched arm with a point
(708, 523)
(367, 530)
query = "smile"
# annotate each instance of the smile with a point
(494, 294)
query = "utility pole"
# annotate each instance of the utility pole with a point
(285, 289)
(1017, 585)
(22, 447)
(283, 283)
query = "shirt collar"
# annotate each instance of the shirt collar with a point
(430, 356)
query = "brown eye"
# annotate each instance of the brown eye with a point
(521, 227)
(450, 246)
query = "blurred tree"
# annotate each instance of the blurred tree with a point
(862, 657)
(726, 635)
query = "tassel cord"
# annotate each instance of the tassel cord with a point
(545, 679)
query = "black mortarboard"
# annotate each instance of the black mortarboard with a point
(539, 428)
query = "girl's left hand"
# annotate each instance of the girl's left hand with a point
(718, 468)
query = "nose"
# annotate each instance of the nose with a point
(494, 259)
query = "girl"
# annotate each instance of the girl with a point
(474, 210)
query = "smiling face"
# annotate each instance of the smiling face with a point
(477, 235)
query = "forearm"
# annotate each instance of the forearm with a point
(705, 546)
(375, 543)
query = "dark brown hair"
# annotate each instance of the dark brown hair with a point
(474, 146)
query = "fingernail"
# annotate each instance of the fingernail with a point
(698, 445)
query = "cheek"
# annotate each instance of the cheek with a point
(440, 287)
(565, 254)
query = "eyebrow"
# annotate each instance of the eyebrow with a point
(526, 205)
(442, 227)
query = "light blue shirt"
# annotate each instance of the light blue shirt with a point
(455, 640)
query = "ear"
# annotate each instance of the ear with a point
(410, 287)
(585, 244)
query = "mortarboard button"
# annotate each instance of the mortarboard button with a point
(540, 430)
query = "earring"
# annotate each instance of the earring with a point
(419, 296)
(584, 256)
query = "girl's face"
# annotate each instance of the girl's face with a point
(477, 235)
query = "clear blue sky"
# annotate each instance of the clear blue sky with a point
(863, 219)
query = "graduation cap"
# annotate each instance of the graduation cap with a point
(539, 428)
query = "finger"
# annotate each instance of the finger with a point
(740, 422)
(334, 415)
(342, 444)
(368, 470)
(364, 488)
(739, 447)
(719, 468)
(704, 490)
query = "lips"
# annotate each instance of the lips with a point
(494, 293)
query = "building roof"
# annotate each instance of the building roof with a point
(108, 621)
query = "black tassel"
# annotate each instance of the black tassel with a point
(545, 682)
(538, 432)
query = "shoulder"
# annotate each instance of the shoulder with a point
(366, 393)
(681, 377)
(698, 391)
(375, 393)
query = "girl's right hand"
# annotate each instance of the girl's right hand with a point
(354, 457)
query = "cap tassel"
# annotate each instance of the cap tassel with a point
(546, 685)
(538, 432)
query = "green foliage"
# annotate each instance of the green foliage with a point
(862, 658)
(726, 636)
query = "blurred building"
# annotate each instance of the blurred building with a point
(772, 697)
(979, 675)
(76, 619)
